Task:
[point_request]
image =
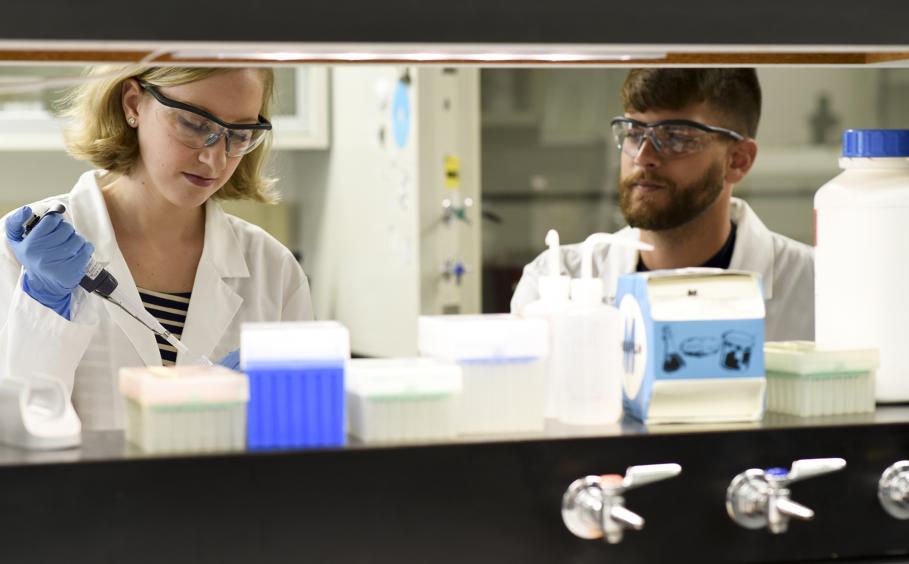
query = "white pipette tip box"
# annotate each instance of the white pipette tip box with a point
(402, 399)
(185, 408)
(807, 380)
(503, 359)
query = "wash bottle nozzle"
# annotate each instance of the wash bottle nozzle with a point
(554, 286)
(587, 289)
(554, 256)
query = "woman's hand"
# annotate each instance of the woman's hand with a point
(231, 360)
(54, 257)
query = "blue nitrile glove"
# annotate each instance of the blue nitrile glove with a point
(54, 257)
(231, 360)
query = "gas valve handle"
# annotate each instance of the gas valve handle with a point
(811, 467)
(642, 475)
(454, 269)
(893, 489)
(593, 506)
(760, 498)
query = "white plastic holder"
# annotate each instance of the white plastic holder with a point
(36, 414)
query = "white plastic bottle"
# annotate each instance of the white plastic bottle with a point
(862, 254)
(554, 291)
(588, 335)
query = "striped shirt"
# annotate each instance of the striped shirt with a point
(170, 310)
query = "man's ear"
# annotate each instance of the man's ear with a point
(739, 160)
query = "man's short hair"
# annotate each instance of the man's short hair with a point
(734, 93)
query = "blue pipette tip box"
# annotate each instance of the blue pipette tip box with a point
(296, 405)
(296, 384)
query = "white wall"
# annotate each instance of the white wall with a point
(32, 175)
(789, 169)
(791, 96)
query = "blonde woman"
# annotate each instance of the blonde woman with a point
(167, 143)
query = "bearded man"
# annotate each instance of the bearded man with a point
(686, 138)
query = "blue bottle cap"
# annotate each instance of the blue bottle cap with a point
(876, 143)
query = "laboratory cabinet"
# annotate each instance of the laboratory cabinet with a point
(491, 499)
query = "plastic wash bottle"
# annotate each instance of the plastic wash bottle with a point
(554, 291)
(585, 370)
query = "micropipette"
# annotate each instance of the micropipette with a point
(99, 281)
(140, 314)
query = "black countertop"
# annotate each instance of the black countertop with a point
(484, 499)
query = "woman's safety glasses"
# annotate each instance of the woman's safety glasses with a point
(670, 137)
(196, 128)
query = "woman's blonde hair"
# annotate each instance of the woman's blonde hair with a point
(97, 131)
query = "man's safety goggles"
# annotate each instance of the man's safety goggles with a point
(670, 137)
(196, 128)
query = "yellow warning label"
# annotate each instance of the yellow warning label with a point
(452, 172)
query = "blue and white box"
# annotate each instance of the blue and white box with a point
(296, 376)
(693, 347)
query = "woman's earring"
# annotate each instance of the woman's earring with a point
(131, 121)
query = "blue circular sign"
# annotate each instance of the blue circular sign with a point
(400, 114)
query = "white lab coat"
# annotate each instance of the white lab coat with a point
(786, 268)
(244, 274)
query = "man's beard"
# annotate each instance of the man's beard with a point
(683, 204)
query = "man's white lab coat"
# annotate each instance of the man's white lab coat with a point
(786, 268)
(244, 274)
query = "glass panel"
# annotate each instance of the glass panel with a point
(285, 92)
(548, 160)
(39, 101)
